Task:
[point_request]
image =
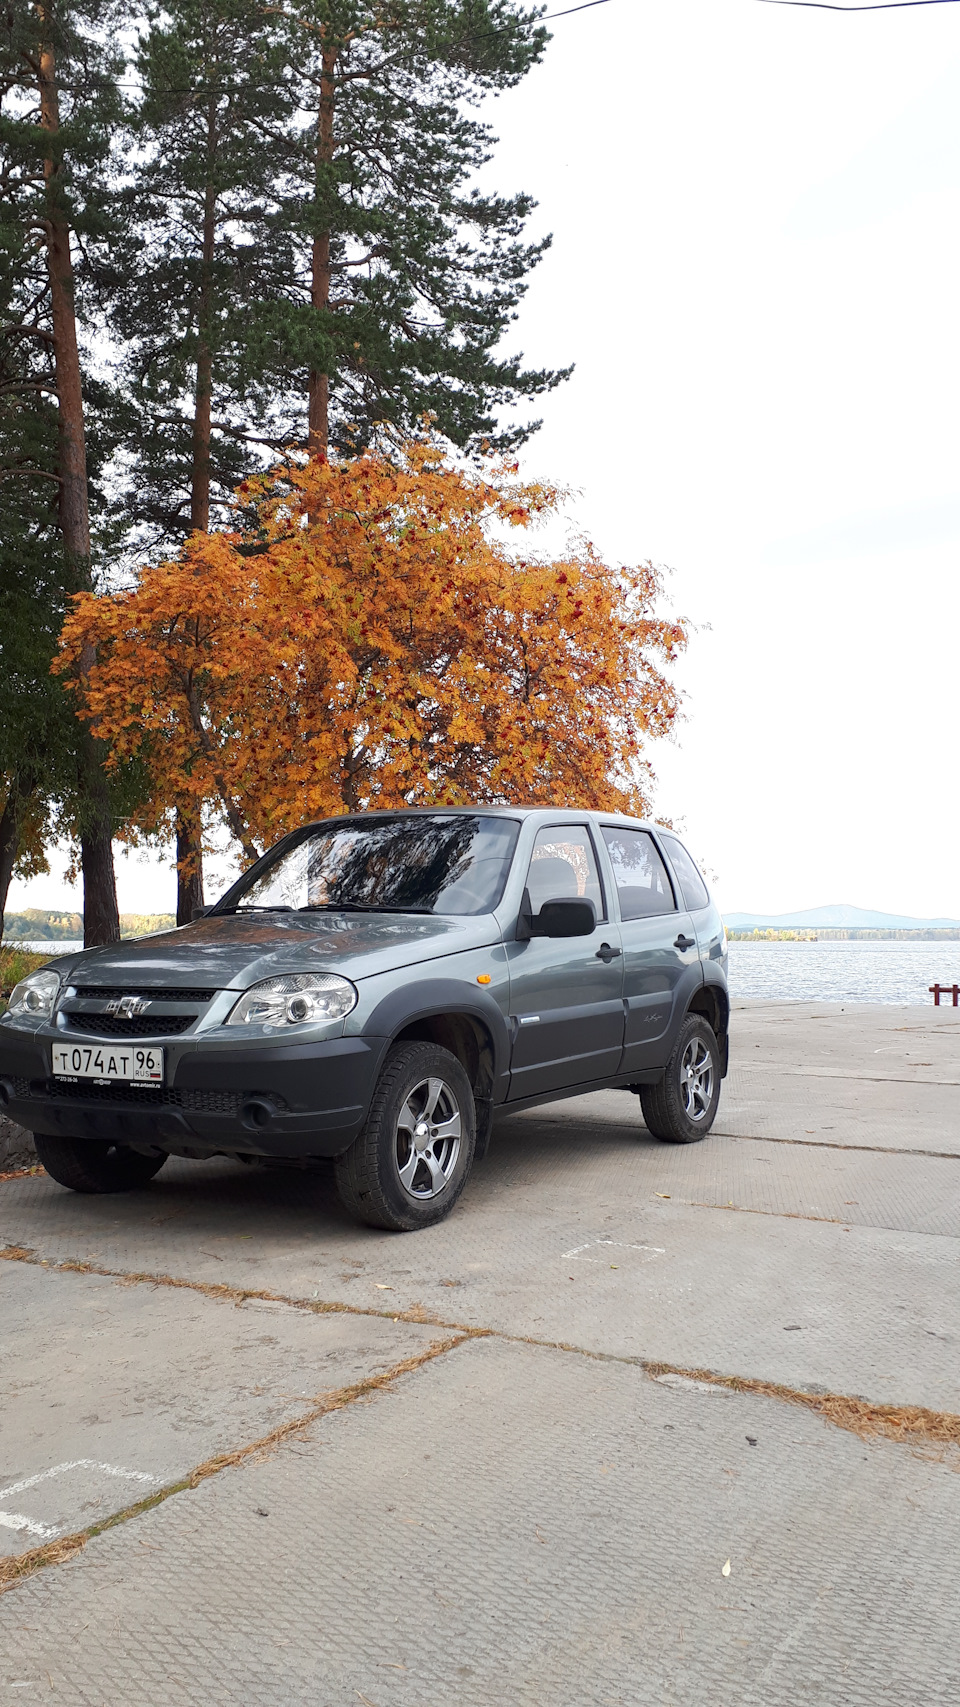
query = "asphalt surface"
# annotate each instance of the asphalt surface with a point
(501, 1497)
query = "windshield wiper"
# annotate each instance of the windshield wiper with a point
(280, 908)
(358, 907)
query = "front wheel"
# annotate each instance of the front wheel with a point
(410, 1163)
(683, 1106)
(91, 1164)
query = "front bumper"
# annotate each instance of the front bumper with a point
(302, 1099)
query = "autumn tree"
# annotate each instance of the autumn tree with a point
(382, 647)
(58, 111)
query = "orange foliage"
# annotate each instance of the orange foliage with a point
(380, 647)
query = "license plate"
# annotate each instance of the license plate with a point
(108, 1065)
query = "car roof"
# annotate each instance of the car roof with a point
(524, 812)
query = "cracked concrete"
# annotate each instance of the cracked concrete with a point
(510, 1522)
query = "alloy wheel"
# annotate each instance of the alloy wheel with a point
(696, 1079)
(429, 1132)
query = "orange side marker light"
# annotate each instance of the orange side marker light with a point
(483, 978)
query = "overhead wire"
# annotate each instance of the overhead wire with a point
(515, 24)
(872, 6)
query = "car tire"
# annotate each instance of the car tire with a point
(682, 1107)
(410, 1163)
(93, 1165)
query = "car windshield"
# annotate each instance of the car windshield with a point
(420, 864)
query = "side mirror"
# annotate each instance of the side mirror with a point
(200, 913)
(572, 915)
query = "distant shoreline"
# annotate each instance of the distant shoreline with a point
(853, 934)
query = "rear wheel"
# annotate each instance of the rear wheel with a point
(410, 1163)
(91, 1164)
(683, 1106)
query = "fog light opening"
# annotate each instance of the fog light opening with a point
(257, 1113)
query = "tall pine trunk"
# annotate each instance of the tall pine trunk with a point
(101, 919)
(319, 387)
(189, 841)
(200, 472)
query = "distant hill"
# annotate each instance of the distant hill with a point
(41, 924)
(840, 917)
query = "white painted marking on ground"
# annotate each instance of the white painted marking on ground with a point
(76, 1464)
(609, 1244)
(13, 1520)
(44, 1531)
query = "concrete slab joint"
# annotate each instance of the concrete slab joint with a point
(638, 1424)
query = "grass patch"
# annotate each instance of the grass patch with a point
(15, 963)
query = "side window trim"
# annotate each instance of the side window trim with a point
(684, 904)
(603, 918)
(679, 905)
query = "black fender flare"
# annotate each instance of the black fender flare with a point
(714, 989)
(442, 998)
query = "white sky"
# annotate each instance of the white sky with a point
(755, 213)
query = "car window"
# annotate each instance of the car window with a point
(643, 887)
(422, 863)
(692, 886)
(564, 863)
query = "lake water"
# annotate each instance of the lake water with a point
(896, 972)
(50, 949)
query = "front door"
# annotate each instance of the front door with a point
(565, 992)
(661, 959)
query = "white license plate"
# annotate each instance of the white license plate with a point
(107, 1064)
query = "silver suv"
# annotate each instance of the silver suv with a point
(373, 989)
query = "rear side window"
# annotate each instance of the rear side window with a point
(642, 882)
(692, 886)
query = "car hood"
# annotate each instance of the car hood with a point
(236, 950)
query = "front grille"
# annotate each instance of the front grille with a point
(99, 993)
(113, 1025)
(143, 1096)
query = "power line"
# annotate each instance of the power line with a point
(504, 29)
(464, 41)
(877, 6)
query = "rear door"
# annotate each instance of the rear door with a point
(565, 992)
(661, 959)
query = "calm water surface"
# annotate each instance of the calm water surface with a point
(896, 972)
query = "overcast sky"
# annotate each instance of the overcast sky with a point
(755, 213)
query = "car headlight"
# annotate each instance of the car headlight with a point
(35, 995)
(295, 999)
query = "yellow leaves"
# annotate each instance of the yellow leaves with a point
(385, 648)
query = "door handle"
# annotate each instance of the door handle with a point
(606, 952)
(685, 941)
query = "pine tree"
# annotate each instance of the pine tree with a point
(38, 733)
(57, 110)
(409, 275)
(203, 252)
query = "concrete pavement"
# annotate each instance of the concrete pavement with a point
(503, 1519)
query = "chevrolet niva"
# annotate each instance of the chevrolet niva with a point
(372, 990)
